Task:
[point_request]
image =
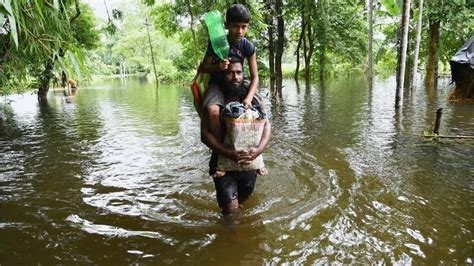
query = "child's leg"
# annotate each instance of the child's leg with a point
(213, 103)
(214, 123)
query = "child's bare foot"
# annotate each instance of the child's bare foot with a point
(218, 173)
(262, 171)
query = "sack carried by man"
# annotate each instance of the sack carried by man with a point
(244, 130)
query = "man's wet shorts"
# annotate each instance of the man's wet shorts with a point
(234, 185)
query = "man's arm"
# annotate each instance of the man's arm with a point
(247, 102)
(216, 145)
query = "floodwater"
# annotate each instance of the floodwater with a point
(116, 174)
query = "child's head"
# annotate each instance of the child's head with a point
(237, 21)
(237, 13)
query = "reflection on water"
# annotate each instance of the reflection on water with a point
(117, 173)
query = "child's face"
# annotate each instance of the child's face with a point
(237, 30)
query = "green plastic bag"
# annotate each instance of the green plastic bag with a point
(215, 27)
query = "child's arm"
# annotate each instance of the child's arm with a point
(247, 102)
(207, 66)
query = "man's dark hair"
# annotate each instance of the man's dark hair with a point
(235, 59)
(237, 13)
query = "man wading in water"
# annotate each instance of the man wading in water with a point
(234, 187)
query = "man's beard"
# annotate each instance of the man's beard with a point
(235, 86)
(235, 89)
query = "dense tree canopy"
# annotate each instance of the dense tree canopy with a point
(35, 32)
(324, 37)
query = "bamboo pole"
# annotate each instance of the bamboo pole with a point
(449, 137)
(151, 50)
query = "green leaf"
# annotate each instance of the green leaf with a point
(75, 64)
(38, 8)
(13, 29)
(61, 62)
(56, 4)
(149, 2)
(392, 7)
(6, 4)
(65, 13)
(381, 13)
(81, 59)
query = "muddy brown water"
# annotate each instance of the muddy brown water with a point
(116, 174)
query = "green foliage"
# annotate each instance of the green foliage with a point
(38, 31)
(82, 30)
(175, 20)
(346, 32)
(456, 30)
(392, 7)
(130, 47)
(340, 31)
(165, 19)
(457, 26)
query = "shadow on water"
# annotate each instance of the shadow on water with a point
(117, 173)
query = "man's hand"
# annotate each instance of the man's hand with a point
(224, 64)
(237, 155)
(247, 156)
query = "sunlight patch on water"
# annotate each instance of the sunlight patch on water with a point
(113, 231)
(415, 250)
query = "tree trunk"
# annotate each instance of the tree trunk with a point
(271, 44)
(280, 44)
(193, 32)
(369, 46)
(63, 79)
(322, 63)
(298, 47)
(408, 68)
(45, 80)
(403, 51)
(308, 48)
(431, 78)
(417, 44)
(321, 31)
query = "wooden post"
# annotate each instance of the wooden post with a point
(151, 50)
(439, 112)
(370, 21)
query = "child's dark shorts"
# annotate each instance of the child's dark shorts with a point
(234, 185)
(215, 96)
